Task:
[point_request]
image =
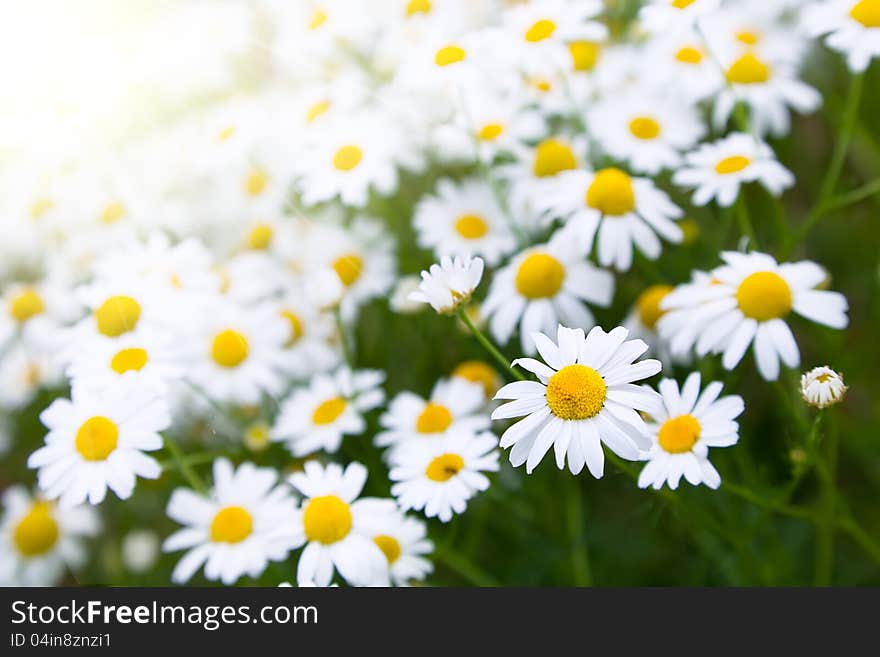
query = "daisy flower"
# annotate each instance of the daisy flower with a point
(237, 529)
(542, 286)
(681, 64)
(659, 16)
(97, 440)
(36, 312)
(440, 476)
(40, 541)
(822, 387)
(23, 371)
(641, 322)
(717, 170)
(449, 285)
(465, 220)
(310, 334)
(852, 28)
(404, 542)
(614, 209)
(683, 430)
(476, 371)
(746, 301)
(332, 406)
(585, 396)
(337, 527)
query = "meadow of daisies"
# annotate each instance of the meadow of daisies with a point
(448, 292)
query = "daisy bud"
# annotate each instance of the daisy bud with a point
(822, 387)
(449, 285)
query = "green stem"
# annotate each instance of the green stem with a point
(825, 512)
(580, 558)
(771, 505)
(855, 196)
(343, 338)
(488, 346)
(466, 569)
(183, 465)
(745, 221)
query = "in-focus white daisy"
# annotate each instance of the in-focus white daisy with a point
(449, 285)
(586, 396)
(40, 540)
(237, 529)
(332, 406)
(852, 28)
(97, 440)
(440, 476)
(822, 387)
(404, 542)
(465, 220)
(745, 301)
(684, 428)
(543, 286)
(664, 16)
(338, 527)
(717, 170)
(624, 211)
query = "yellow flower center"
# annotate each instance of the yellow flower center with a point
(732, 164)
(689, 55)
(390, 547)
(539, 276)
(112, 213)
(748, 37)
(763, 296)
(648, 304)
(232, 524)
(319, 17)
(256, 437)
(327, 411)
(40, 207)
(477, 371)
(25, 305)
(418, 7)
(644, 127)
(316, 110)
(256, 182)
(867, 12)
(296, 327)
(327, 519)
(551, 157)
(540, 30)
(97, 438)
(348, 267)
(584, 55)
(611, 192)
(226, 133)
(260, 237)
(444, 467)
(576, 392)
(541, 84)
(490, 131)
(435, 418)
(449, 55)
(229, 348)
(471, 226)
(748, 69)
(347, 157)
(36, 532)
(128, 360)
(679, 434)
(117, 315)
(682, 4)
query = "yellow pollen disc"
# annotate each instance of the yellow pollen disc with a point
(682, 4)
(117, 315)
(648, 304)
(539, 276)
(37, 532)
(256, 437)
(296, 327)
(390, 547)
(260, 237)
(327, 411)
(434, 419)
(584, 55)
(232, 524)
(418, 7)
(229, 348)
(541, 84)
(25, 305)
(129, 360)
(347, 158)
(444, 467)
(540, 30)
(748, 69)
(490, 131)
(764, 295)
(748, 37)
(866, 12)
(226, 133)
(551, 157)
(823, 378)
(471, 226)
(32, 375)
(476, 371)
(576, 392)
(644, 127)
(40, 207)
(679, 434)
(319, 17)
(112, 213)
(449, 55)
(316, 110)
(611, 192)
(327, 519)
(348, 267)
(256, 182)
(732, 164)
(96, 438)
(689, 55)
